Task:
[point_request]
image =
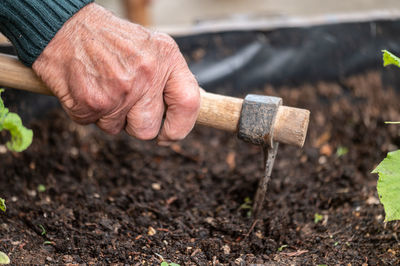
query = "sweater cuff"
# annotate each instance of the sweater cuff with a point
(31, 25)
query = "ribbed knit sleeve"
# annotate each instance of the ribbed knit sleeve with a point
(31, 24)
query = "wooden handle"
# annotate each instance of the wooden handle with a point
(223, 112)
(217, 111)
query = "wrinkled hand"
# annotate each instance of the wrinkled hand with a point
(119, 75)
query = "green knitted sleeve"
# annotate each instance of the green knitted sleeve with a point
(31, 24)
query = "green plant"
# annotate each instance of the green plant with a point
(43, 230)
(247, 206)
(3, 205)
(164, 263)
(341, 151)
(318, 217)
(4, 259)
(282, 247)
(41, 188)
(21, 137)
(388, 185)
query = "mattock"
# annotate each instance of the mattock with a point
(258, 119)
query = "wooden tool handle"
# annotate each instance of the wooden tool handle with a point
(223, 112)
(217, 111)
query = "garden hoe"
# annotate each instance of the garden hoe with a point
(261, 120)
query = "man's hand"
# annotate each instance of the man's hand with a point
(119, 75)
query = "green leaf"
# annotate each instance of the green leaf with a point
(164, 263)
(318, 217)
(4, 259)
(389, 185)
(341, 150)
(282, 247)
(41, 188)
(390, 59)
(3, 205)
(43, 230)
(21, 137)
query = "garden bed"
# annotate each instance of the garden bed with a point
(115, 199)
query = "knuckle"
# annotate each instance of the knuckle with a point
(167, 40)
(147, 67)
(142, 126)
(191, 101)
(97, 104)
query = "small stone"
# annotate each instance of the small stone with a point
(373, 200)
(322, 160)
(156, 186)
(67, 258)
(3, 149)
(151, 231)
(391, 251)
(32, 193)
(226, 249)
(96, 195)
(49, 259)
(259, 235)
(210, 221)
(74, 151)
(326, 149)
(239, 261)
(14, 198)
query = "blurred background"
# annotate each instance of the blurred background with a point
(166, 13)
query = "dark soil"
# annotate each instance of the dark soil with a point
(119, 200)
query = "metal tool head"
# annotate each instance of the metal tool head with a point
(256, 126)
(257, 119)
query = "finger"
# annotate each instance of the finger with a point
(144, 118)
(182, 97)
(113, 123)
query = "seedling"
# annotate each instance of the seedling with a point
(164, 263)
(389, 169)
(247, 205)
(341, 150)
(41, 188)
(318, 217)
(282, 247)
(43, 230)
(3, 205)
(21, 137)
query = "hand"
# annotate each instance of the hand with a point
(119, 75)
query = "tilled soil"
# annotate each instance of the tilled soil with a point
(118, 200)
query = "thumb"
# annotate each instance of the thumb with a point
(182, 98)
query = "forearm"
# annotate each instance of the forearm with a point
(31, 24)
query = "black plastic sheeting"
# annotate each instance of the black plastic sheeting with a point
(245, 60)
(236, 63)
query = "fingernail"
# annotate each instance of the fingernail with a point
(164, 143)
